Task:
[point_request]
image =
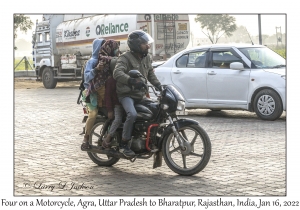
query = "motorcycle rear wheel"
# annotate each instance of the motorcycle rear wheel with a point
(94, 139)
(196, 156)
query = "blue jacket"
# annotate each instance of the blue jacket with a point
(89, 72)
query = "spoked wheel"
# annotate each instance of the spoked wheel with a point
(100, 159)
(195, 155)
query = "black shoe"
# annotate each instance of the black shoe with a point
(125, 150)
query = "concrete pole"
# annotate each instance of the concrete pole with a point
(259, 30)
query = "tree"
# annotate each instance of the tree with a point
(264, 37)
(22, 23)
(240, 35)
(216, 26)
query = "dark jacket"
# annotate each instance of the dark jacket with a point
(129, 61)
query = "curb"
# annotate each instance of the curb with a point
(25, 78)
(24, 73)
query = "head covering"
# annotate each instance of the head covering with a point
(93, 61)
(107, 51)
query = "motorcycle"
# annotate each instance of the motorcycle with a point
(157, 132)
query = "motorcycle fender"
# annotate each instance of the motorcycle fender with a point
(184, 122)
(178, 124)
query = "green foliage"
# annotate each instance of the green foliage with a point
(22, 23)
(281, 52)
(216, 26)
(22, 64)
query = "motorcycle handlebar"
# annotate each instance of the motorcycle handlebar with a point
(154, 90)
(146, 87)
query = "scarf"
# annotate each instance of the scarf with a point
(107, 51)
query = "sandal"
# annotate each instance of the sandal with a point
(105, 144)
(85, 144)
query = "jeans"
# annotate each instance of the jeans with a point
(118, 112)
(128, 105)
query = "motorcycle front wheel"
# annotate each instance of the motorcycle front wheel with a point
(94, 139)
(195, 155)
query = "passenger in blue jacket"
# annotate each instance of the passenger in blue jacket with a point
(91, 69)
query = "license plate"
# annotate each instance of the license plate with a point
(180, 112)
(84, 119)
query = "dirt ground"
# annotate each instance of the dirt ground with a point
(30, 83)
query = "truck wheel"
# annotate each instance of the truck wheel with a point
(48, 78)
(267, 105)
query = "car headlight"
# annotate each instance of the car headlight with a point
(180, 105)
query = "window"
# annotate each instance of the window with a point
(263, 57)
(47, 37)
(200, 58)
(192, 60)
(182, 61)
(40, 37)
(223, 59)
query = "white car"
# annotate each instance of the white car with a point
(246, 77)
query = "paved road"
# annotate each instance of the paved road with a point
(248, 154)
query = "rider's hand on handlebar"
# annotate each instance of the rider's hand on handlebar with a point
(158, 88)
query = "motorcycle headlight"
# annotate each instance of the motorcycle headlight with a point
(180, 105)
(164, 106)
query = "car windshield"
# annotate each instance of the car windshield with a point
(263, 57)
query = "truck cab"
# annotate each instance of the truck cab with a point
(50, 66)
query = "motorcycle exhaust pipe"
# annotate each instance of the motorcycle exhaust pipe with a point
(111, 152)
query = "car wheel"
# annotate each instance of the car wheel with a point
(267, 105)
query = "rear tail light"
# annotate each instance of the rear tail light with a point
(84, 110)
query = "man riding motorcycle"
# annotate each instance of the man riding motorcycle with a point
(132, 90)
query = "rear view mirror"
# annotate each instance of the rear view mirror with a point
(237, 66)
(134, 74)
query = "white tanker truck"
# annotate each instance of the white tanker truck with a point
(62, 43)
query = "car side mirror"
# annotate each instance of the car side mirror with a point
(237, 66)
